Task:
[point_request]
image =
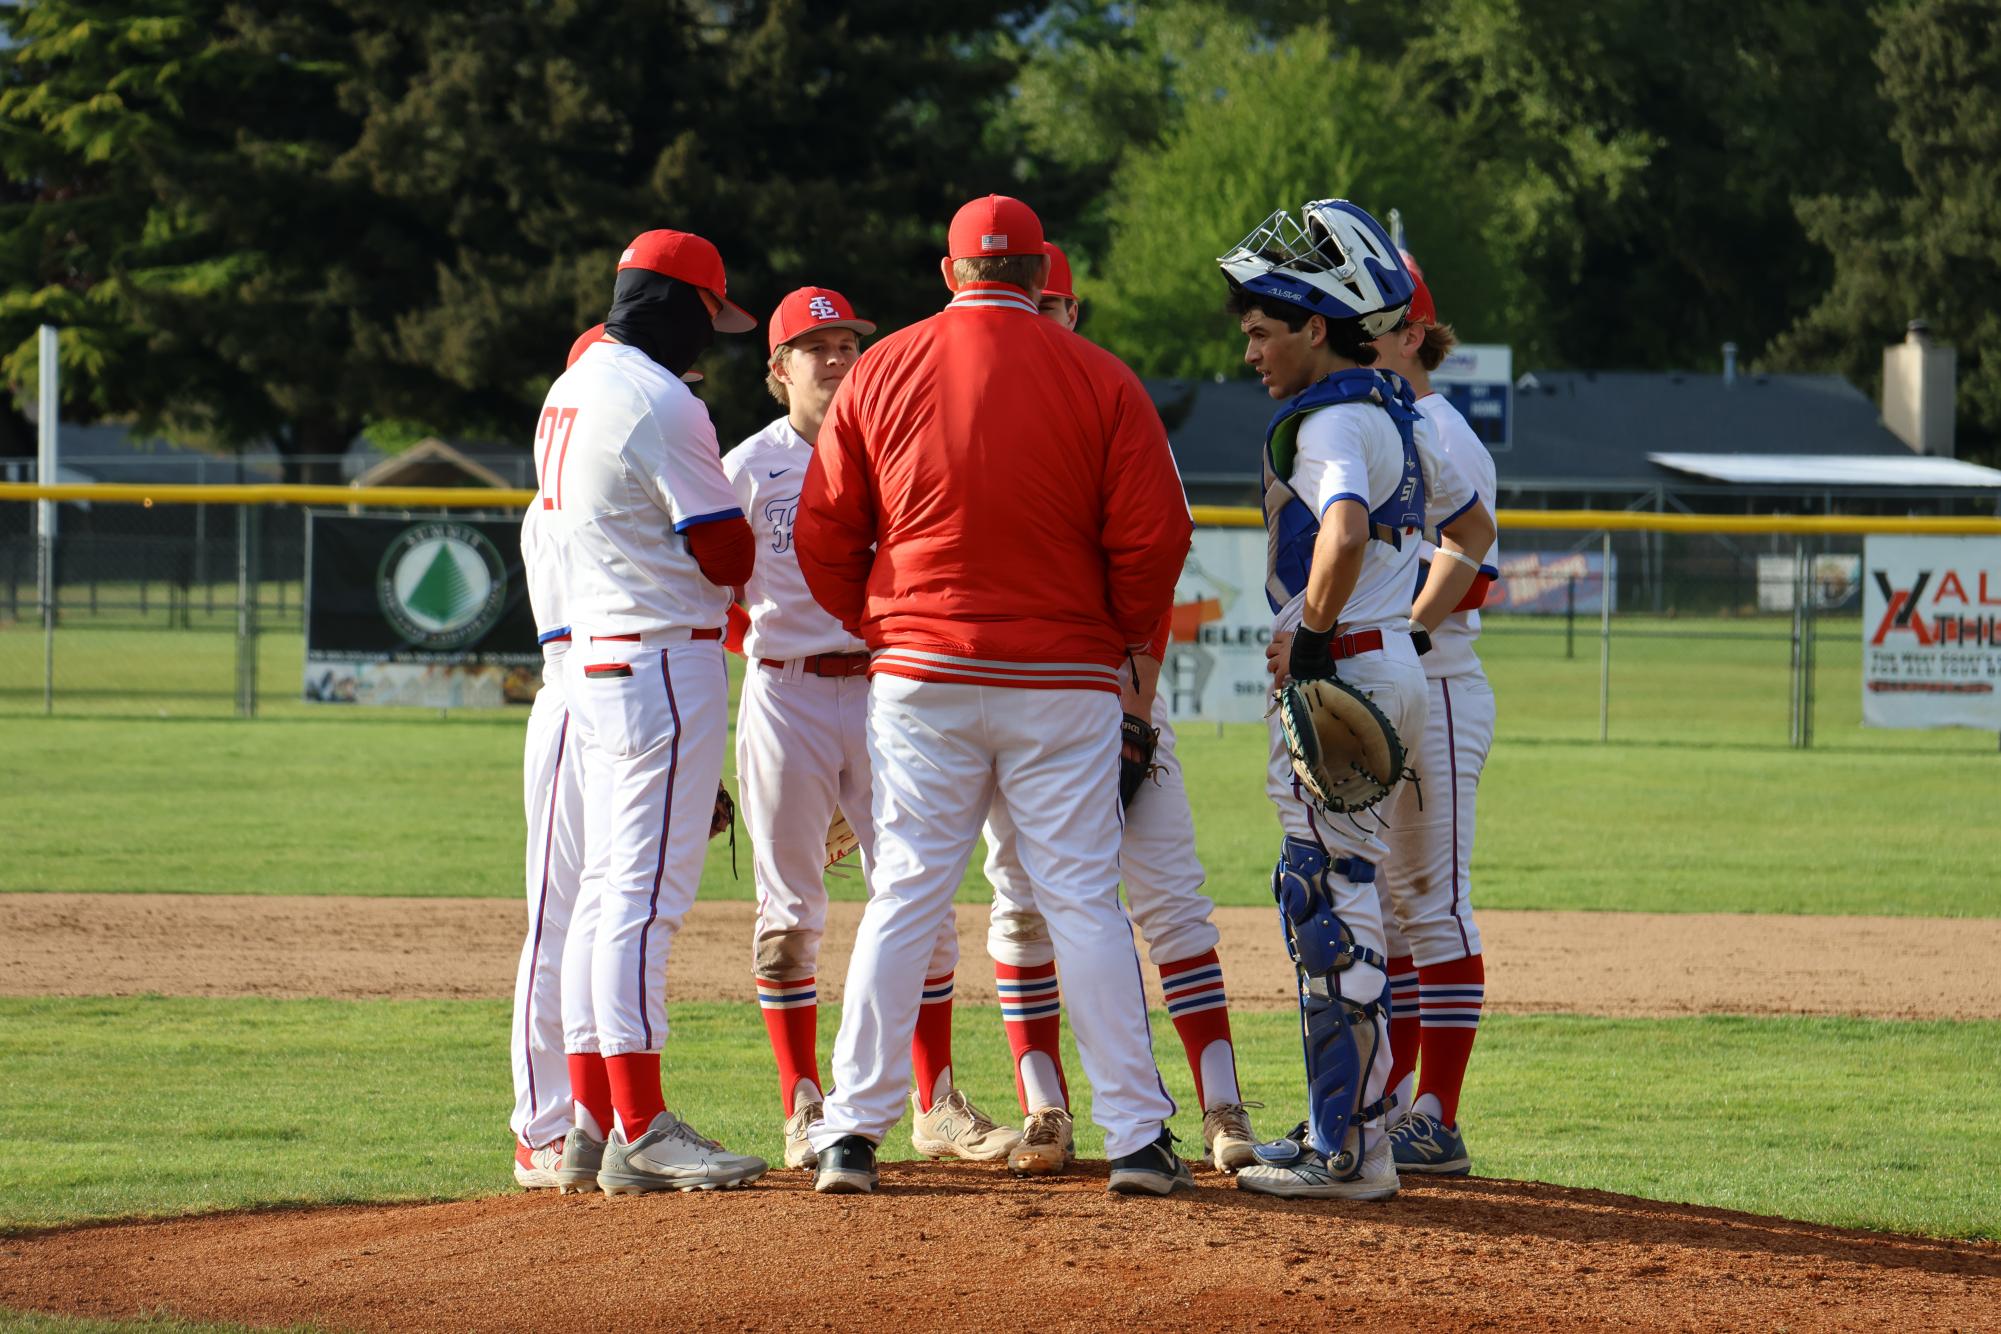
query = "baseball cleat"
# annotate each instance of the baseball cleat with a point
(1312, 1176)
(1155, 1170)
(1227, 1137)
(1047, 1144)
(536, 1169)
(1428, 1147)
(582, 1156)
(954, 1128)
(672, 1155)
(847, 1167)
(799, 1149)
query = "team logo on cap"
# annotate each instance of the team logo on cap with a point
(626, 258)
(994, 241)
(442, 585)
(821, 309)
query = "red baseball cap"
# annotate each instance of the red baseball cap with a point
(583, 343)
(1060, 282)
(812, 308)
(694, 261)
(996, 225)
(1422, 310)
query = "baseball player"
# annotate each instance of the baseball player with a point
(1437, 974)
(553, 796)
(993, 508)
(802, 753)
(649, 541)
(1341, 470)
(1163, 881)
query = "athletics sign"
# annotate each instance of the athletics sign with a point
(1931, 632)
(425, 612)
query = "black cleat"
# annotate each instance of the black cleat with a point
(847, 1167)
(1155, 1170)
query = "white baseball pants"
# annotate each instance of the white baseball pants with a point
(1426, 884)
(652, 747)
(802, 751)
(940, 753)
(553, 797)
(1163, 877)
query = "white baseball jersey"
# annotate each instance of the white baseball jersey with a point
(544, 576)
(766, 472)
(1352, 451)
(626, 457)
(1452, 643)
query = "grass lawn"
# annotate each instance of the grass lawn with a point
(201, 1105)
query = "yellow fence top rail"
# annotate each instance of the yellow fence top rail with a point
(1212, 516)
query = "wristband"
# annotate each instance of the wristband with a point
(1312, 657)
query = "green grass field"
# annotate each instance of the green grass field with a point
(203, 1105)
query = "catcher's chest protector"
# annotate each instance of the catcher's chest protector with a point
(1291, 525)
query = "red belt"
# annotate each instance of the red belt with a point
(711, 632)
(1362, 641)
(824, 664)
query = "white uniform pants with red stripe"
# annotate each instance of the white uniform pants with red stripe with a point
(1426, 884)
(1163, 877)
(802, 751)
(940, 754)
(553, 797)
(652, 747)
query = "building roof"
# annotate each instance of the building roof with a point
(435, 462)
(1824, 470)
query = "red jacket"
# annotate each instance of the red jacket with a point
(991, 500)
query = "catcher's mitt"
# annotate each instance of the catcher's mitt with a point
(1138, 739)
(841, 838)
(1345, 751)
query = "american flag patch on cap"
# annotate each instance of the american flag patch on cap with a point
(994, 241)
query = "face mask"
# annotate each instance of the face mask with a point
(663, 317)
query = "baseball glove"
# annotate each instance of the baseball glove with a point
(724, 815)
(1345, 751)
(841, 838)
(1138, 739)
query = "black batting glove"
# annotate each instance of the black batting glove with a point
(1312, 657)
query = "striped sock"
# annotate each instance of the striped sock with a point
(1032, 1014)
(792, 1019)
(635, 1090)
(1449, 999)
(1200, 1009)
(931, 1044)
(590, 1093)
(1403, 1024)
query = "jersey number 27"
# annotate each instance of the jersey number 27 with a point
(555, 423)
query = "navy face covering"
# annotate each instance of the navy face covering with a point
(663, 317)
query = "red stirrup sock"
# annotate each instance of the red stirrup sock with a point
(931, 1043)
(590, 1093)
(635, 1090)
(1449, 999)
(792, 1019)
(1032, 1014)
(1403, 1025)
(1200, 1009)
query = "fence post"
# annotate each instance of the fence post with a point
(1605, 589)
(1570, 618)
(1793, 681)
(46, 586)
(246, 611)
(1807, 650)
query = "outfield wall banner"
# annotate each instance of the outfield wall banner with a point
(429, 613)
(1547, 581)
(1931, 632)
(1836, 582)
(1215, 667)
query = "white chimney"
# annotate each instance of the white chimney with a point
(1918, 385)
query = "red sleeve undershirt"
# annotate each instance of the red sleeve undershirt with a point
(724, 549)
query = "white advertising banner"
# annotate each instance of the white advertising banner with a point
(1215, 668)
(1931, 632)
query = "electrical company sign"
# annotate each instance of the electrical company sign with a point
(1931, 632)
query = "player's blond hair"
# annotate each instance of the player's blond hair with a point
(1027, 272)
(772, 384)
(1439, 339)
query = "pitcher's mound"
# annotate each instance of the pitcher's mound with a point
(967, 1247)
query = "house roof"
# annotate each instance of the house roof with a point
(435, 462)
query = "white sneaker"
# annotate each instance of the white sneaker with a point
(1311, 1177)
(799, 1149)
(1227, 1136)
(1047, 1145)
(954, 1128)
(535, 1169)
(672, 1155)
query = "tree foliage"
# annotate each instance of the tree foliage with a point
(1931, 247)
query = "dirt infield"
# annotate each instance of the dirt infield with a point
(1618, 964)
(968, 1248)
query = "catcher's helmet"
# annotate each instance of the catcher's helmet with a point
(1341, 265)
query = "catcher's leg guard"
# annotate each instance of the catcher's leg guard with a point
(1339, 1031)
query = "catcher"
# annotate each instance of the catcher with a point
(1345, 493)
